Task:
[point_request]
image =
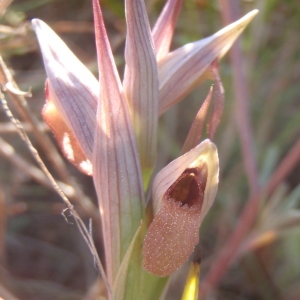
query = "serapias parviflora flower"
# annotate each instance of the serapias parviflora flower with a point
(113, 127)
(76, 89)
(183, 193)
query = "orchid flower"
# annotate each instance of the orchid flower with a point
(108, 129)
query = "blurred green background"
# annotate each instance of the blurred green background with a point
(44, 257)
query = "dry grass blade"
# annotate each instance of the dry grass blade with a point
(8, 127)
(7, 151)
(2, 224)
(3, 5)
(230, 13)
(288, 163)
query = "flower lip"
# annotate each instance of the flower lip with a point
(189, 188)
(204, 152)
(183, 192)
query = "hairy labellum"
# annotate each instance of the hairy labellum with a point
(174, 232)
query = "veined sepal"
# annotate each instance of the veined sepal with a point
(74, 89)
(183, 69)
(141, 84)
(164, 27)
(116, 167)
(64, 135)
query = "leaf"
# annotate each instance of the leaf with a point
(164, 27)
(129, 280)
(141, 84)
(183, 69)
(116, 168)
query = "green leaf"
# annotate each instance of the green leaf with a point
(129, 279)
(132, 281)
(153, 286)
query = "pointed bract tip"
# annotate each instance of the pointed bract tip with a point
(239, 25)
(246, 19)
(253, 12)
(36, 24)
(250, 15)
(34, 21)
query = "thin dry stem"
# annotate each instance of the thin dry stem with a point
(230, 12)
(285, 167)
(8, 127)
(2, 226)
(7, 151)
(247, 218)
